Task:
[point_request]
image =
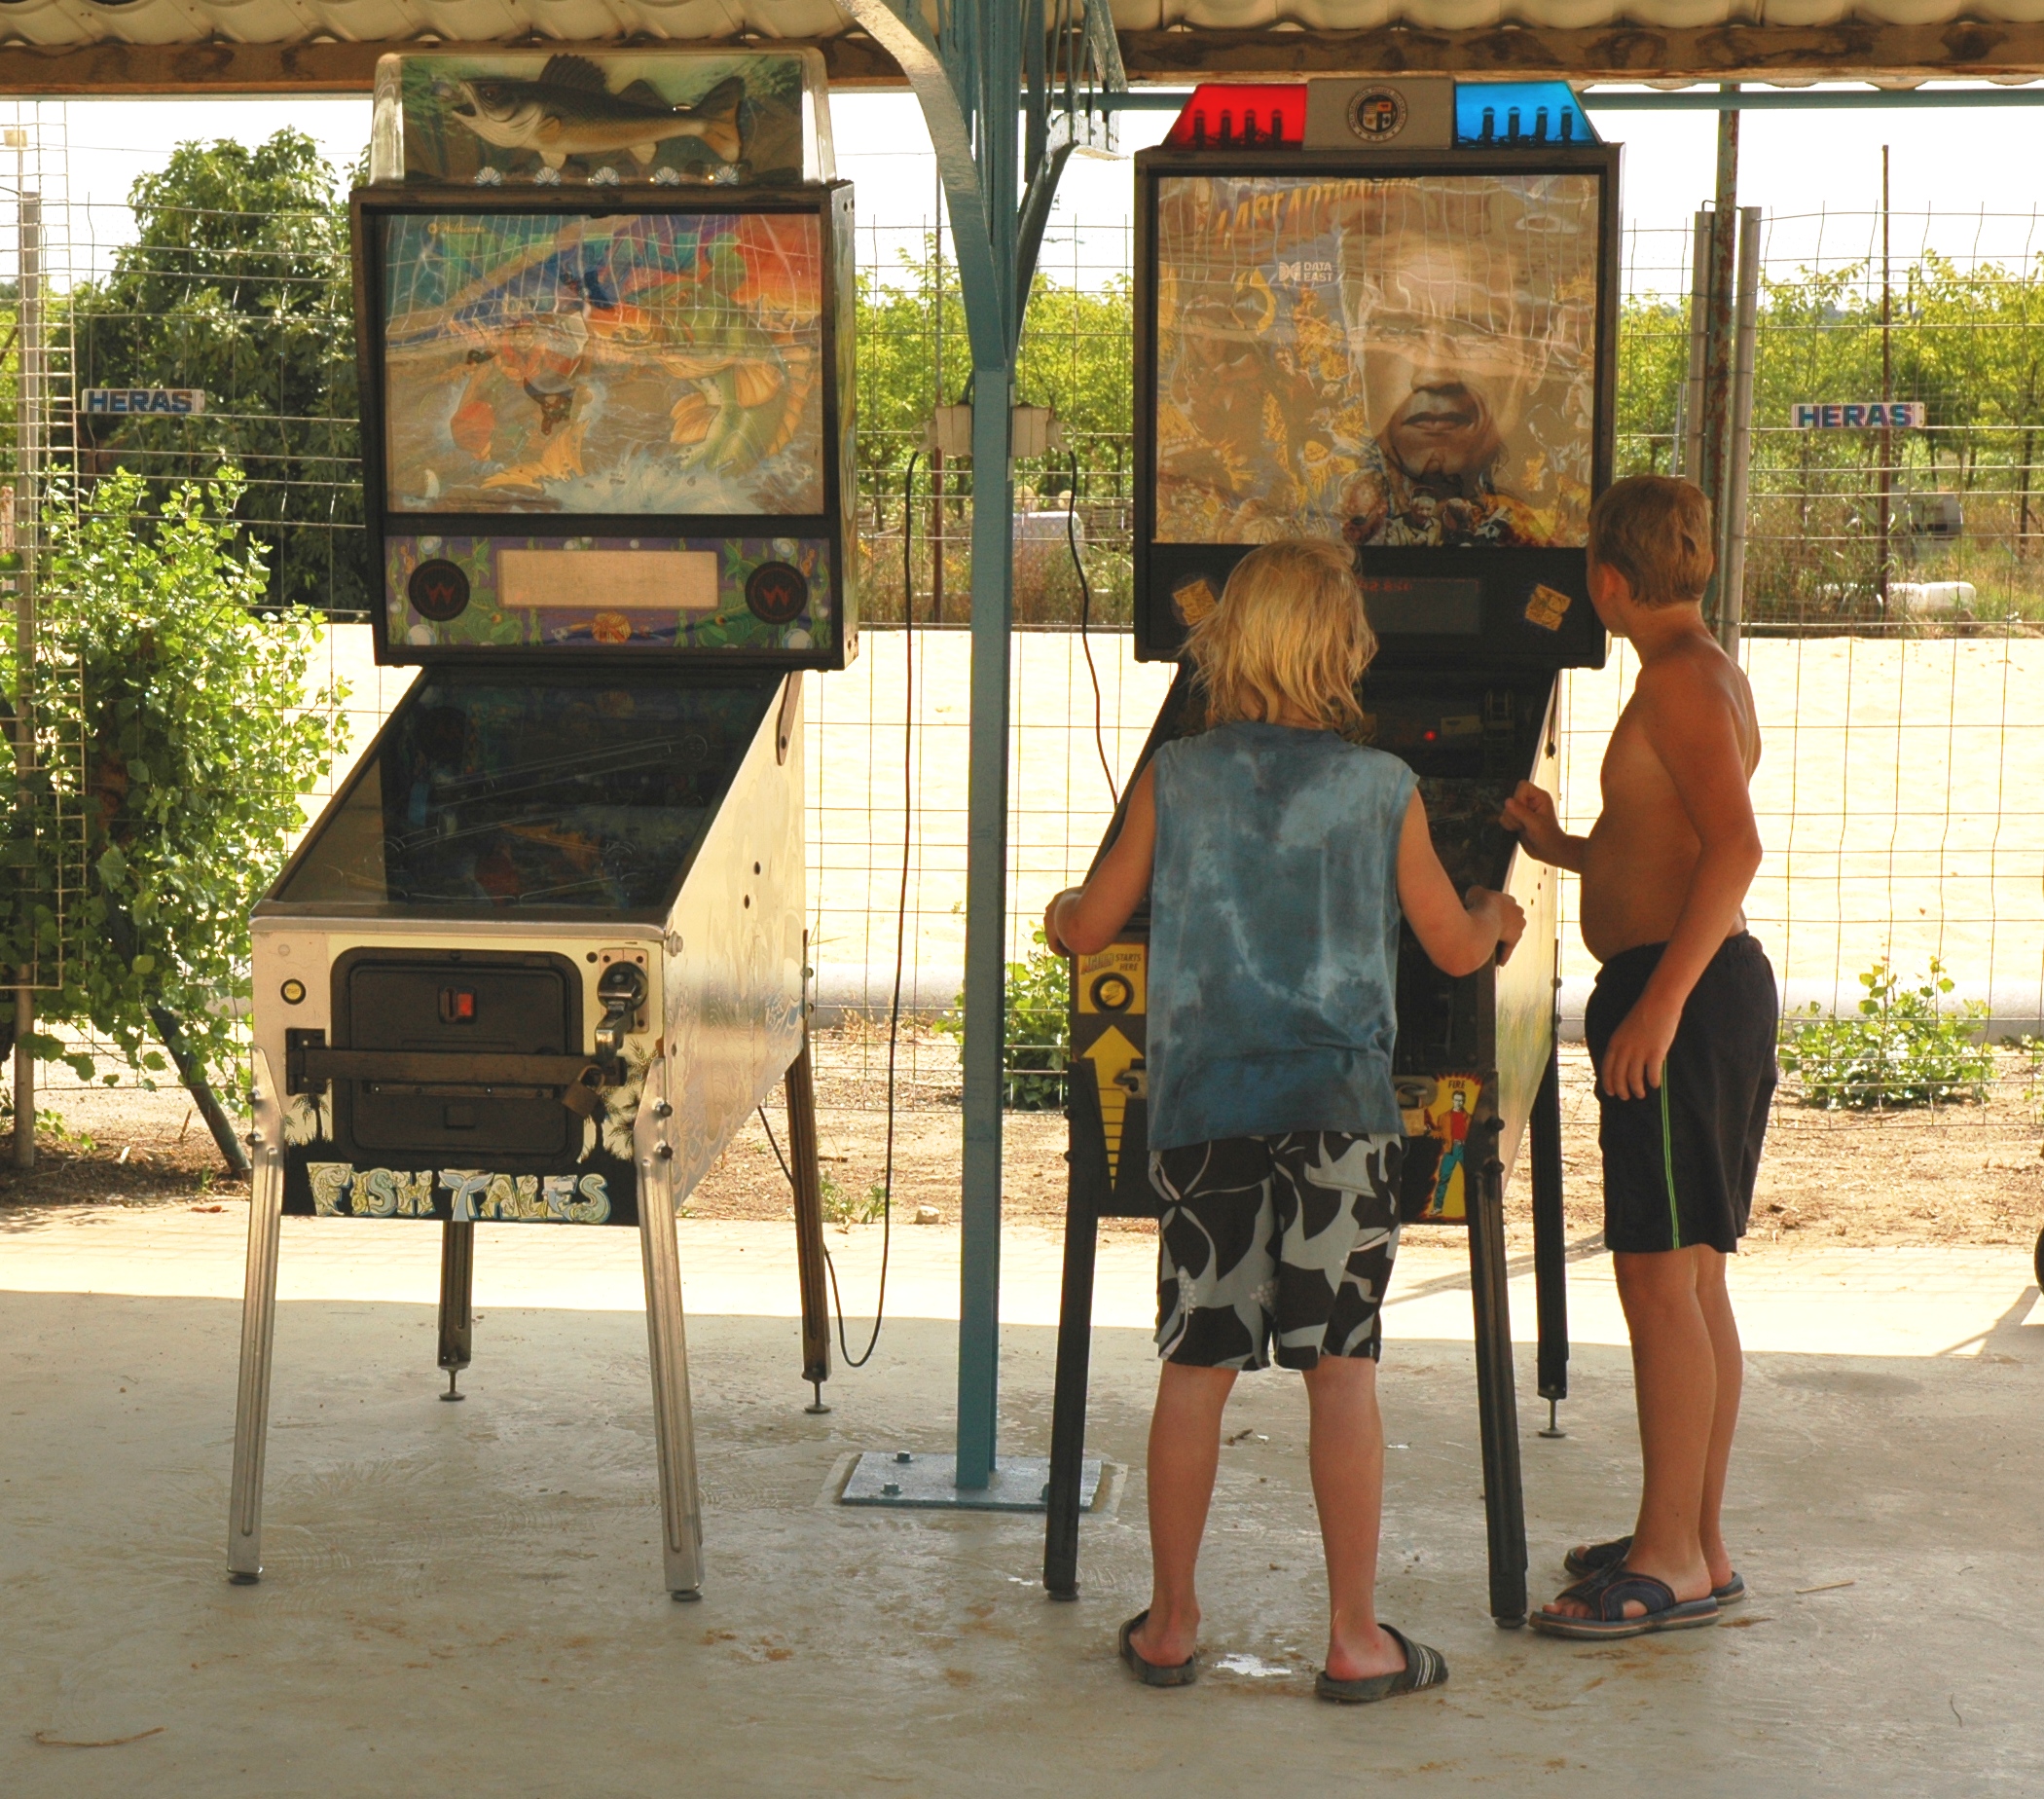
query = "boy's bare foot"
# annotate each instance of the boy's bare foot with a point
(1363, 1656)
(1167, 1637)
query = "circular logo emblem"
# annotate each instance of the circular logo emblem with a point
(1378, 115)
(1111, 993)
(438, 590)
(776, 593)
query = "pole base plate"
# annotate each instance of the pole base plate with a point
(930, 1483)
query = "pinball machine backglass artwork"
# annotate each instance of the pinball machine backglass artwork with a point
(656, 363)
(1398, 360)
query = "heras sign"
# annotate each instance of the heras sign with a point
(1861, 415)
(143, 402)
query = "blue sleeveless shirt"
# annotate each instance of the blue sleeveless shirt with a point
(1273, 937)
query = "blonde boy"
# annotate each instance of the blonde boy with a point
(1279, 859)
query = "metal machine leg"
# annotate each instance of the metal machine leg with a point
(1550, 1245)
(1497, 1403)
(806, 1168)
(266, 1207)
(458, 1270)
(674, 1425)
(1068, 1413)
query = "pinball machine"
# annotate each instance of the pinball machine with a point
(1384, 313)
(544, 951)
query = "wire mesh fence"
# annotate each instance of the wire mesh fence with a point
(1896, 644)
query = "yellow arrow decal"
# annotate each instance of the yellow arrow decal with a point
(1113, 1055)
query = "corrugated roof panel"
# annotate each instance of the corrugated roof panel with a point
(795, 18)
(142, 22)
(61, 22)
(41, 21)
(367, 21)
(256, 22)
(477, 21)
(686, 19)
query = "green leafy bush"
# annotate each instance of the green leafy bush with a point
(180, 739)
(1039, 1041)
(1905, 1047)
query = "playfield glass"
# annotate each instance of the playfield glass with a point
(491, 793)
(1391, 360)
(658, 365)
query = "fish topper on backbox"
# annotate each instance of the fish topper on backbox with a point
(602, 118)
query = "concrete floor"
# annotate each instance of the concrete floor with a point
(466, 1598)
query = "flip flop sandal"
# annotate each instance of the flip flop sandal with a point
(1608, 1594)
(1424, 1667)
(1587, 1559)
(1154, 1674)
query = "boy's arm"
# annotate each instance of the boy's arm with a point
(1458, 936)
(1693, 728)
(1083, 919)
(1530, 812)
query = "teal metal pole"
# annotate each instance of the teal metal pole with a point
(998, 76)
(986, 931)
(969, 78)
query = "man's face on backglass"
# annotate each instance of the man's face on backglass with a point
(1446, 361)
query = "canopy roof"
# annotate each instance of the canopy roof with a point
(170, 46)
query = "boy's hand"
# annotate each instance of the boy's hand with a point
(1506, 914)
(1055, 943)
(1530, 813)
(1638, 1053)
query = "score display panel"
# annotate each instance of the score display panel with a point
(610, 422)
(1412, 354)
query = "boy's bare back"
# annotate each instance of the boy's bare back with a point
(1682, 754)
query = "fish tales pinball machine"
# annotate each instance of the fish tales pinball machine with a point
(544, 951)
(1381, 313)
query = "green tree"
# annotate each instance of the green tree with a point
(180, 736)
(1653, 365)
(913, 354)
(238, 283)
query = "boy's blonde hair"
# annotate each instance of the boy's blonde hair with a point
(1290, 631)
(1654, 531)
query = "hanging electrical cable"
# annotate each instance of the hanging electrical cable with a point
(1086, 619)
(893, 1017)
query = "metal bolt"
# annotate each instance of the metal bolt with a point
(891, 1490)
(902, 1455)
(664, 1151)
(662, 1110)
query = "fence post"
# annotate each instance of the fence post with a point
(1716, 420)
(1690, 449)
(27, 540)
(1732, 584)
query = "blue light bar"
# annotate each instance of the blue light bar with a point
(1519, 113)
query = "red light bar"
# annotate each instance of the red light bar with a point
(1232, 115)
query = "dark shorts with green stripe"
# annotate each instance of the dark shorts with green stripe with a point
(1679, 1164)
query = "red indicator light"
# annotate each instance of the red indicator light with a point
(1430, 735)
(1240, 115)
(458, 1006)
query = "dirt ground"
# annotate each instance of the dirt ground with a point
(1960, 1174)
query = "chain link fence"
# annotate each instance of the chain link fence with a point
(1897, 643)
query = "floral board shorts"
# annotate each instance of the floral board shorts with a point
(1290, 1236)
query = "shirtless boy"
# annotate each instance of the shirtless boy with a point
(1682, 1030)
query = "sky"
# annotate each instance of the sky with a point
(1967, 180)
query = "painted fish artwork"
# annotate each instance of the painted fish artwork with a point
(570, 111)
(633, 363)
(525, 116)
(1400, 360)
